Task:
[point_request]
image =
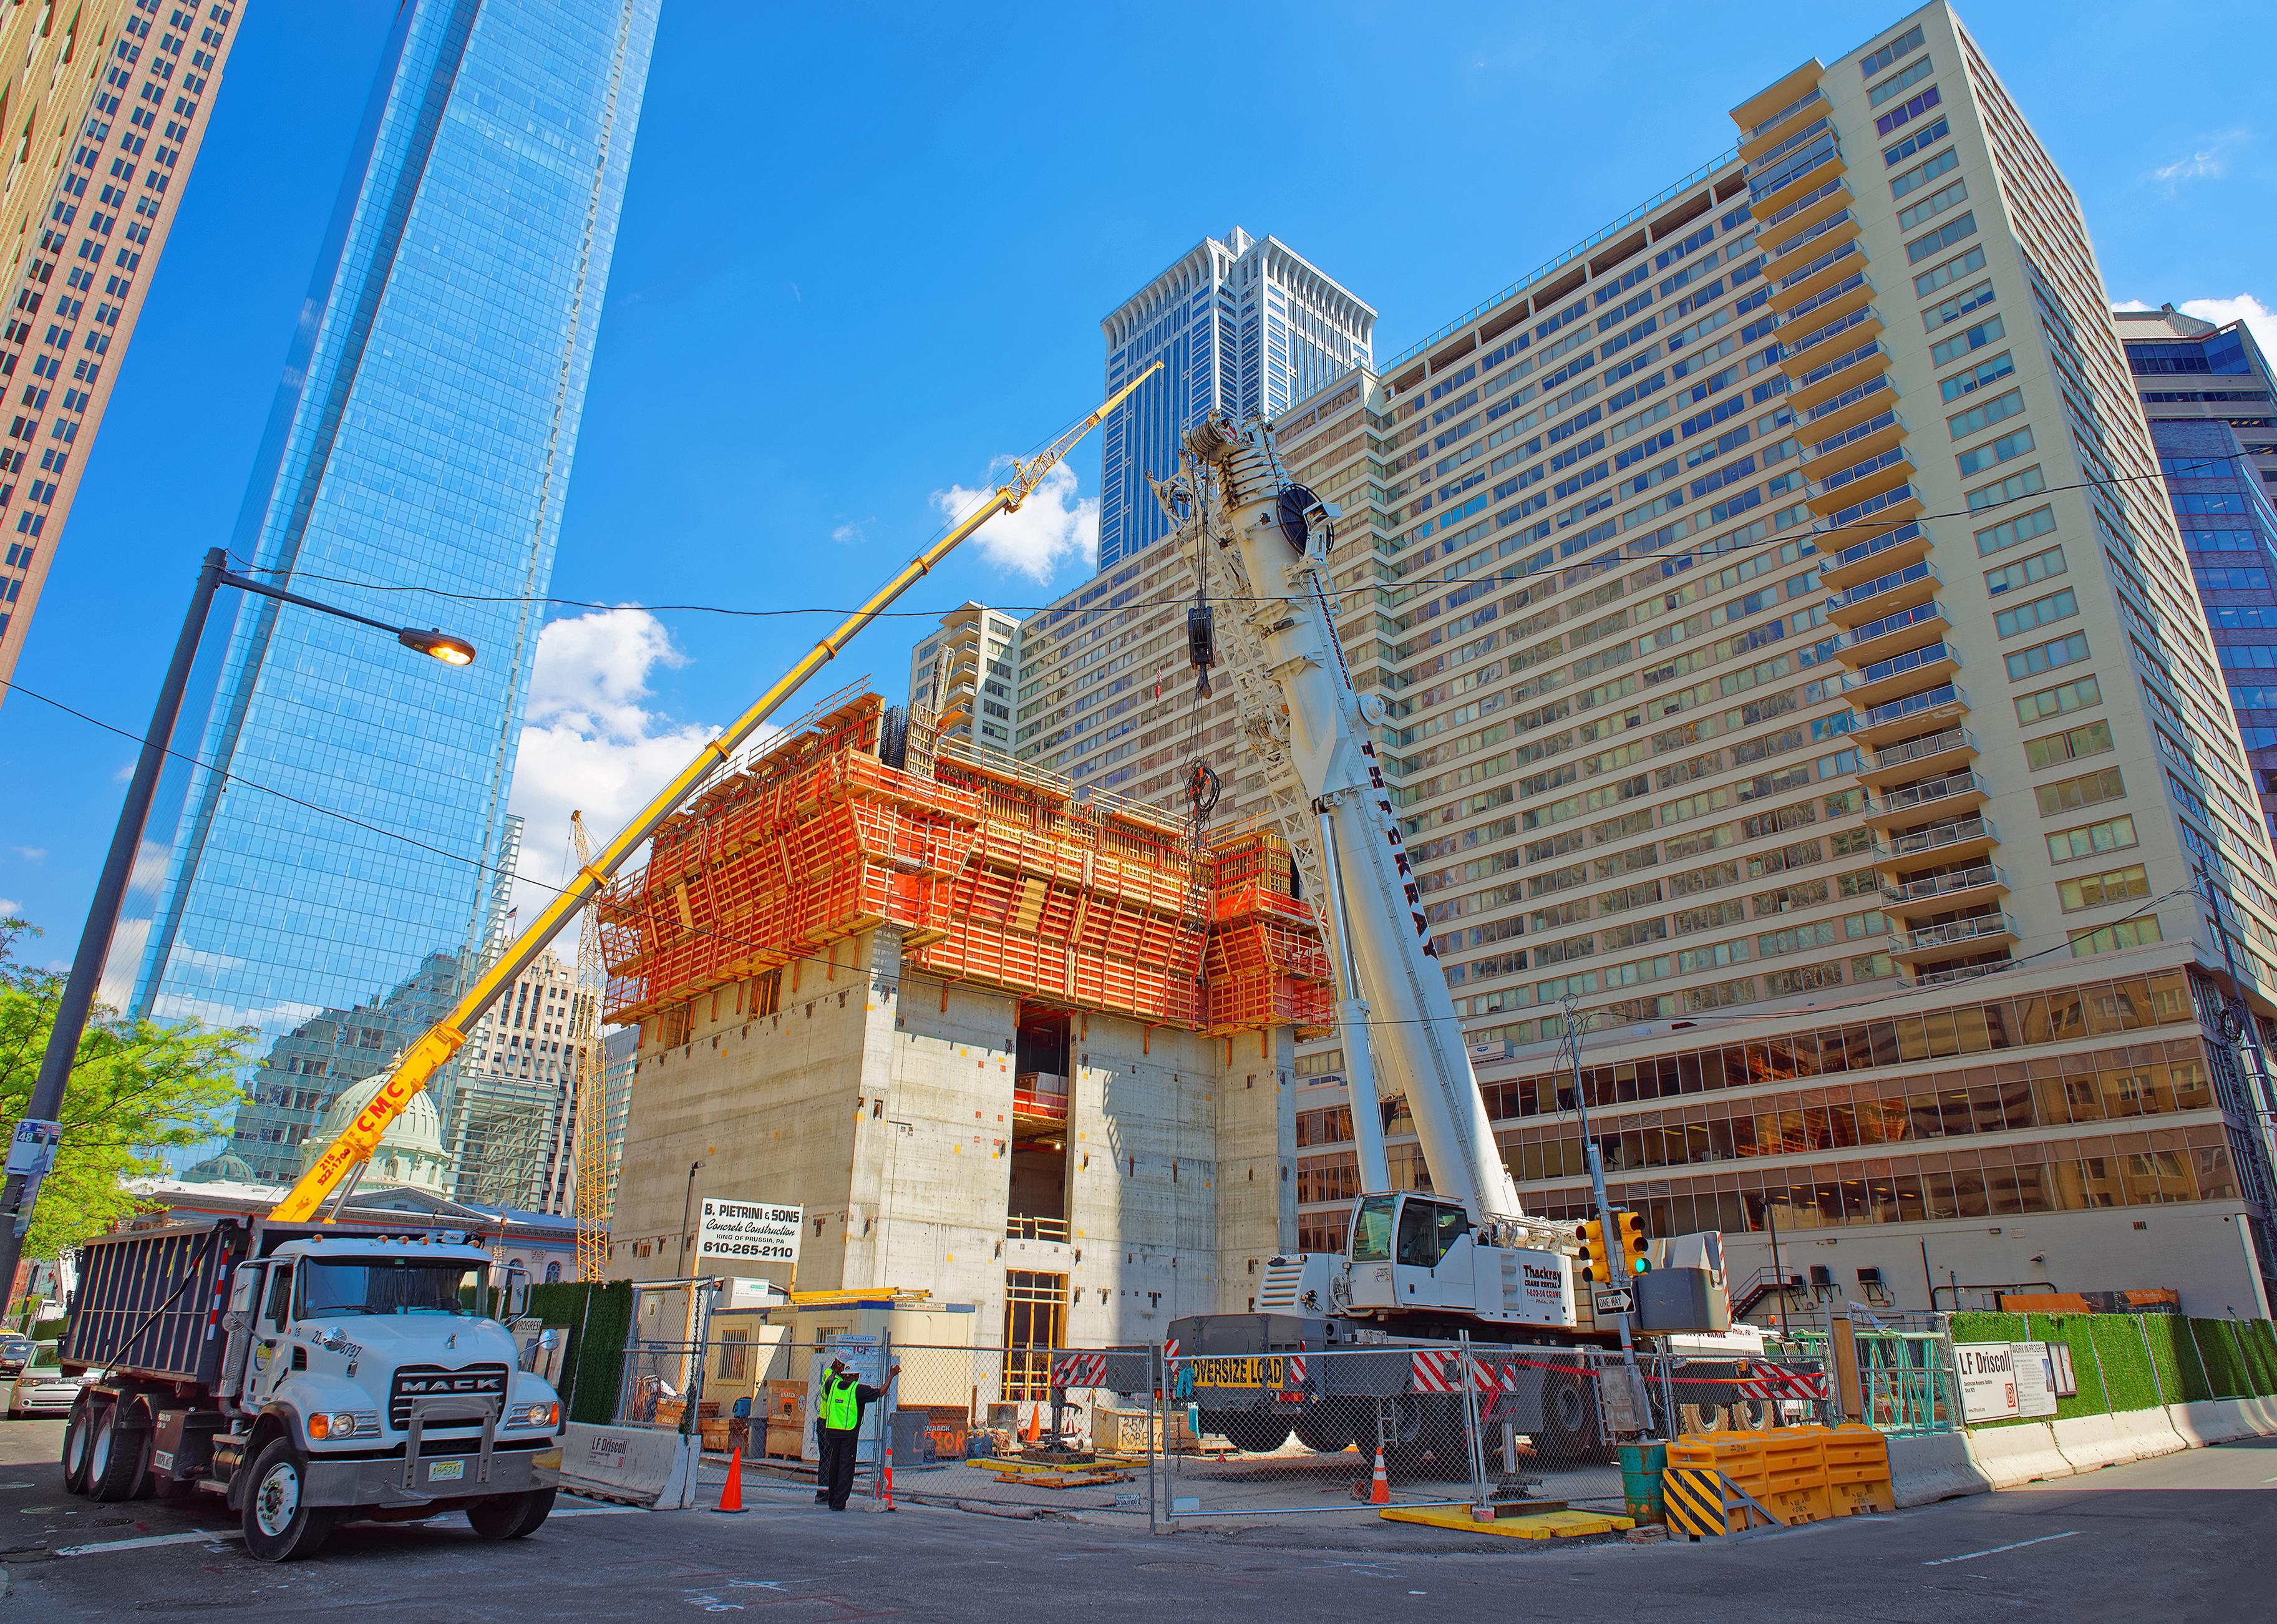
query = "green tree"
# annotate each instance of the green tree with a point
(136, 1090)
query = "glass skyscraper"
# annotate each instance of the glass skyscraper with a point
(1239, 324)
(355, 796)
(2206, 390)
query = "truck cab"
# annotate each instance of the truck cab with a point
(357, 1375)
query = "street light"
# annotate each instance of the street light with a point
(78, 1000)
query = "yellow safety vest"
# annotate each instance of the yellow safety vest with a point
(841, 1410)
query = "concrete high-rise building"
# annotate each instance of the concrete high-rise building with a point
(1108, 694)
(2207, 391)
(510, 1118)
(107, 103)
(1797, 673)
(1239, 323)
(422, 438)
(980, 680)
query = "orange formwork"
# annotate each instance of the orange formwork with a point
(995, 874)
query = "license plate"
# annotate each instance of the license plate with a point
(445, 1471)
(1247, 1372)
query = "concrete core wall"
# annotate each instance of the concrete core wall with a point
(882, 1104)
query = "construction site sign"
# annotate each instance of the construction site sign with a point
(754, 1231)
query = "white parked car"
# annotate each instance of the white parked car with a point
(42, 1388)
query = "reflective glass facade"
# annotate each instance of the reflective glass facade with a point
(1240, 325)
(420, 443)
(2206, 390)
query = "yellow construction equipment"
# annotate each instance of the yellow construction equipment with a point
(596, 1176)
(444, 1039)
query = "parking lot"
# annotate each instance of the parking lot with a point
(2187, 1530)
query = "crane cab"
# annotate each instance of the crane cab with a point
(1411, 1251)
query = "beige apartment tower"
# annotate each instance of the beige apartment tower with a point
(102, 112)
(1795, 671)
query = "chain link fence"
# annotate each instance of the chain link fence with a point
(1150, 1432)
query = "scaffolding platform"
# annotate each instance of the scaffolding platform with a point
(994, 873)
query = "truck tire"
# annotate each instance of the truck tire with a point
(115, 1457)
(1569, 1420)
(79, 1434)
(278, 1525)
(511, 1516)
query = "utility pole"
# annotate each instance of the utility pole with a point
(1572, 1038)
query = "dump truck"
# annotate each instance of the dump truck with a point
(308, 1373)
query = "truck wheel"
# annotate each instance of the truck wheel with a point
(511, 1516)
(279, 1526)
(114, 1458)
(1569, 1420)
(78, 1432)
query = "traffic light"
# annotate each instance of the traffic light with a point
(1630, 1242)
(1596, 1265)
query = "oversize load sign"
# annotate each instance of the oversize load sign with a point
(1988, 1379)
(757, 1232)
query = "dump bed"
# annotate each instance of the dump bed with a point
(149, 1302)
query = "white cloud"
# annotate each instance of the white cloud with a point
(30, 854)
(851, 534)
(589, 742)
(10, 911)
(1053, 527)
(2204, 165)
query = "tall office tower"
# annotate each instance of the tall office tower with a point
(2207, 392)
(1237, 324)
(107, 106)
(422, 438)
(509, 1121)
(982, 677)
(1801, 672)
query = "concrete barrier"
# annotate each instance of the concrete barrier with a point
(1934, 1467)
(2090, 1442)
(2009, 1456)
(632, 1465)
(2201, 1424)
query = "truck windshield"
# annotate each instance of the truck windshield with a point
(389, 1285)
(1371, 1229)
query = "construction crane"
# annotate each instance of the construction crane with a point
(434, 1049)
(596, 1176)
(1464, 1257)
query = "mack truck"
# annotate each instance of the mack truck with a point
(310, 1374)
(1463, 1258)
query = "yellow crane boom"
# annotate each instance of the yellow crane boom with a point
(434, 1049)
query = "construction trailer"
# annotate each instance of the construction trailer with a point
(1028, 1048)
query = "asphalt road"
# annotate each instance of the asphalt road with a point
(2180, 1540)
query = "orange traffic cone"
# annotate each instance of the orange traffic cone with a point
(1379, 1487)
(731, 1497)
(1035, 1424)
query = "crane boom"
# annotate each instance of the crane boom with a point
(434, 1049)
(1396, 988)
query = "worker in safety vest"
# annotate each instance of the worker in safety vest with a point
(838, 1424)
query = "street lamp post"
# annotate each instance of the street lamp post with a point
(17, 1202)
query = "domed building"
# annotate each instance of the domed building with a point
(225, 1168)
(409, 1155)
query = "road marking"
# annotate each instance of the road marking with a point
(1996, 1549)
(204, 1538)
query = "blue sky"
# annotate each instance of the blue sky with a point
(866, 251)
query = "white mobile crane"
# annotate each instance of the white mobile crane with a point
(1464, 1258)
